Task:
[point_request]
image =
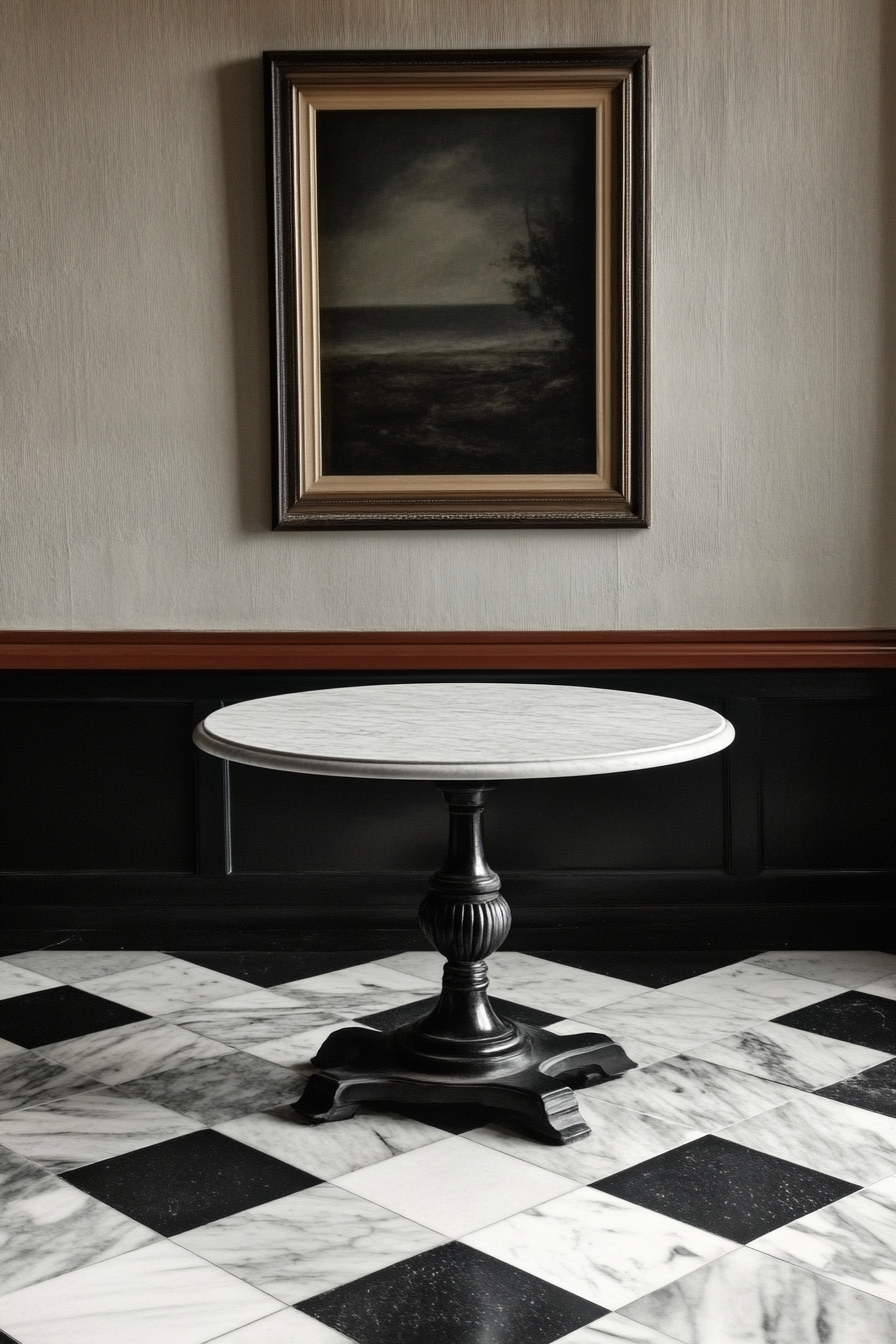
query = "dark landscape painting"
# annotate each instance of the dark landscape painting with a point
(457, 290)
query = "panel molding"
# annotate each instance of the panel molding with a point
(442, 650)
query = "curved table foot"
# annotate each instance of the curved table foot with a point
(533, 1085)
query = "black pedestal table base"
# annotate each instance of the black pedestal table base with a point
(462, 1051)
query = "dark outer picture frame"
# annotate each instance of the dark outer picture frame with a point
(307, 495)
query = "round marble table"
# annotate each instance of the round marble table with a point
(465, 737)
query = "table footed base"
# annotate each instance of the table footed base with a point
(532, 1080)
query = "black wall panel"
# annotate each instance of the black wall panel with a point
(828, 784)
(114, 831)
(95, 785)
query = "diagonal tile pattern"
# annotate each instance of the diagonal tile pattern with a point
(155, 1183)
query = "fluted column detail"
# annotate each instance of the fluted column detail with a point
(466, 918)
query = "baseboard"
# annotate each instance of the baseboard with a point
(443, 650)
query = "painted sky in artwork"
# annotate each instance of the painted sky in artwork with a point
(424, 207)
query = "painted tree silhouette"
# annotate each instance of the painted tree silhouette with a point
(554, 283)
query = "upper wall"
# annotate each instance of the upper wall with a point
(135, 414)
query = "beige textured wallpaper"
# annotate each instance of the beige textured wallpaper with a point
(134, 419)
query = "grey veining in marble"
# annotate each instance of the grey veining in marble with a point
(308, 1243)
(16, 980)
(844, 1141)
(786, 1055)
(618, 1139)
(332, 1150)
(455, 1186)
(254, 1018)
(8, 1048)
(286, 1327)
(463, 730)
(297, 1050)
(750, 1298)
(355, 991)
(693, 1092)
(160, 1292)
(71, 967)
(87, 1127)
(885, 987)
(165, 986)
(597, 1246)
(26, 1079)
(759, 991)
(851, 970)
(47, 1227)
(667, 1021)
(852, 1241)
(552, 987)
(220, 1089)
(121, 1053)
(616, 1329)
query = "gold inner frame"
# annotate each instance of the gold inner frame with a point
(486, 91)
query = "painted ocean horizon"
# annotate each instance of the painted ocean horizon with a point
(432, 329)
(453, 389)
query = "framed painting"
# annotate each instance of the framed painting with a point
(458, 272)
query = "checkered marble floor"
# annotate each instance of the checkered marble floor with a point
(739, 1187)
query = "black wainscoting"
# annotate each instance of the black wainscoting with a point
(117, 833)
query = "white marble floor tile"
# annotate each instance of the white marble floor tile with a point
(16, 980)
(640, 1051)
(616, 1329)
(27, 1079)
(287, 1327)
(695, 1093)
(618, 1139)
(787, 1055)
(161, 1292)
(87, 1127)
(310, 1242)
(219, 1089)
(423, 965)
(72, 967)
(121, 1053)
(8, 1048)
(599, 1247)
(848, 969)
(332, 1150)
(47, 1227)
(357, 990)
(884, 988)
(455, 1186)
(758, 991)
(165, 986)
(297, 1050)
(254, 1018)
(845, 1141)
(554, 988)
(667, 1021)
(749, 1298)
(851, 1241)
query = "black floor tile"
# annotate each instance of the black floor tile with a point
(873, 1090)
(391, 1018)
(726, 1188)
(52, 1015)
(276, 968)
(187, 1182)
(7, 1339)
(652, 969)
(452, 1295)
(861, 1019)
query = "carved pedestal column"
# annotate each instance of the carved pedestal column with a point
(461, 1050)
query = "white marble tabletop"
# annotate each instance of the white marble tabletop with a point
(467, 730)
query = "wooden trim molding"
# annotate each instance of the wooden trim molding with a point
(443, 650)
